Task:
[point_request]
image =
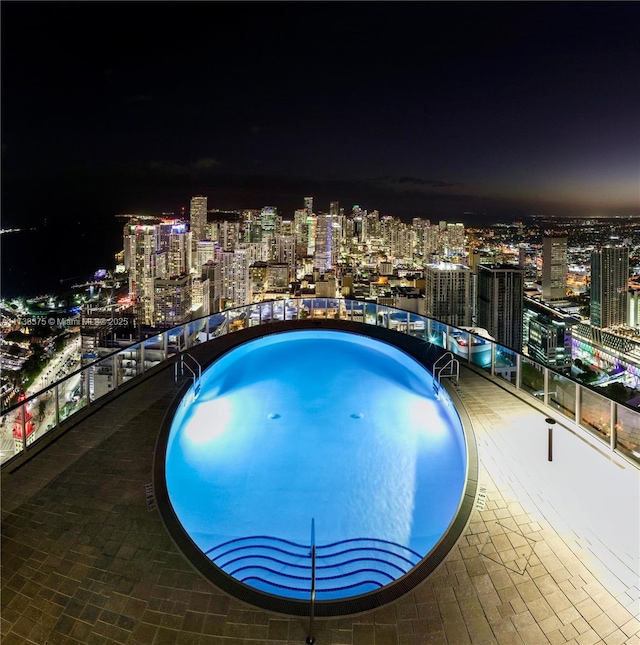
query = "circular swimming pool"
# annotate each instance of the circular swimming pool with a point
(315, 438)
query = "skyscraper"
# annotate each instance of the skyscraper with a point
(500, 303)
(554, 268)
(323, 248)
(448, 293)
(609, 280)
(198, 218)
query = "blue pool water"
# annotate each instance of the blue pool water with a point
(317, 424)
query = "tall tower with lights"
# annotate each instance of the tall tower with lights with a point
(609, 285)
(198, 218)
(554, 268)
(501, 303)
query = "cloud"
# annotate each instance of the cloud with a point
(205, 163)
(202, 166)
(412, 184)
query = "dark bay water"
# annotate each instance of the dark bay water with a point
(43, 260)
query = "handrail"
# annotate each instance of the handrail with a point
(194, 375)
(311, 639)
(217, 324)
(438, 370)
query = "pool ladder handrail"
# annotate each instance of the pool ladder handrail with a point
(453, 365)
(196, 371)
(311, 639)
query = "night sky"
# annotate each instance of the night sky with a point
(417, 109)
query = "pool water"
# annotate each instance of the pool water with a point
(324, 426)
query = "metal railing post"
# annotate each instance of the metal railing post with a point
(23, 413)
(57, 402)
(613, 421)
(545, 386)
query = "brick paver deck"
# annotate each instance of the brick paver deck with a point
(86, 560)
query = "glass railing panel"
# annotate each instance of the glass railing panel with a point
(343, 310)
(370, 311)
(255, 316)
(333, 308)
(40, 416)
(595, 413)
(319, 308)
(175, 341)
(505, 364)
(216, 325)
(417, 326)
(562, 395)
(304, 308)
(383, 317)
(268, 311)
(18, 426)
(396, 320)
(531, 377)
(628, 432)
(73, 394)
(355, 310)
(239, 318)
(290, 309)
(458, 343)
(7, 440)
(153, 351)
(480, 349)
(74, 390)
(128, 363)
(278, 309)
(196, 333)
(102, 377)
(438, 333)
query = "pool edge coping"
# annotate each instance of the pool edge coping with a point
(323, 608)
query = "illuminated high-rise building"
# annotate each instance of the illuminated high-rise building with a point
(175, 242)
(454, 240)
(205, 252)
(142, 256)
(554, 268)
(235, 278)
(308, 205)
(448, 293)
(270, 221)
(322, 255)
(500, 303)
(609, 285)
(198, 218)
(173, 302)
(286, 252)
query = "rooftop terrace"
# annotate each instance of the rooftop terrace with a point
(550, 554)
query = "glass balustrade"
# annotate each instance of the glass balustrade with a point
(175, 341)
(531, 377)
(102, 377)
(438, 333)
(128, 363)
(627, 427)
(562, 395)
(196, 332)
(482, 351)
(45, 410)
(154, 351)
(73, 394)
(216, 325)
(595, 413)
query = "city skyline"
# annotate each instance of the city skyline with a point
(501, 110)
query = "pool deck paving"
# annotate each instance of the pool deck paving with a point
(86, 558)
